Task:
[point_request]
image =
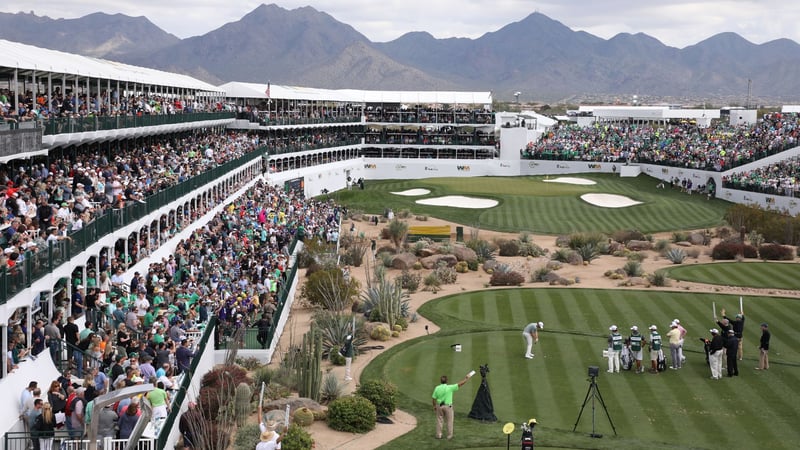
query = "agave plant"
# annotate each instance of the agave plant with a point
(676, 255)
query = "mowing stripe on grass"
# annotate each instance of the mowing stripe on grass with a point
(772, 275)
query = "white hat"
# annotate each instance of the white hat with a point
(714, 331)
(673, 324)
(613, 328)
(653, 327)
(677, 321)
(540, 325)
(634, 328)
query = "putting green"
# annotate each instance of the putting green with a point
(676, 408)
(529, 203)
(751, 274)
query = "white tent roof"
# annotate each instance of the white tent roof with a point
(236, 89)
(28, 57)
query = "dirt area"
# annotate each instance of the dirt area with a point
(591, 276)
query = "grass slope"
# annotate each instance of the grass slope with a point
(676, 409)
(749, 274)
(529, 203)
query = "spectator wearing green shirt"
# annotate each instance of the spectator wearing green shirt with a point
(442, 399)
(158, 398)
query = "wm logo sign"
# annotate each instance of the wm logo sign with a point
(370, 166)
(463, 168)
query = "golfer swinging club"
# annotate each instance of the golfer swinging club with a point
(531, 335)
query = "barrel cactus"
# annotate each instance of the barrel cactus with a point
(242, 403)
(303, 417)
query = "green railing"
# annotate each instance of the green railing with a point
(43, 261)
(277, 121)
(62, 125)
(186, 382)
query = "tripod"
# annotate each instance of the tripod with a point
(594, 391)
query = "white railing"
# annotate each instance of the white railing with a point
(108, 444)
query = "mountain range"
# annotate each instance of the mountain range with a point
(537, 55)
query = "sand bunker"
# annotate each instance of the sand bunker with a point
(413, 192)
(459, 201)
(569, 180)
(609, 200)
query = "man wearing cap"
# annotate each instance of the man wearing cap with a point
(614, 349)
(77, 301)
(442, 399)
(763, 347)
(731, 345)
(637, 343)
(655, 348)
(716, 347)
(674, 335)
(738, 330)
(531, 335)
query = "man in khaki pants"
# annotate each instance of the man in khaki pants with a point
(443, 405)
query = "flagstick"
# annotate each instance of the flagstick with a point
(714, 307)
(741, 308)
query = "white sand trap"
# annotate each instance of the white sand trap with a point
(459, 201)
(413, 192)
(570, 180)
(609, 200)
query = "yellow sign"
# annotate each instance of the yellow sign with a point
(508, 428)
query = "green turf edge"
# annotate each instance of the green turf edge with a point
(754, 274)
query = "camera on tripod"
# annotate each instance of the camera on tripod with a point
(484, 369)
(594, 371)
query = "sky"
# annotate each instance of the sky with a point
(677, 23)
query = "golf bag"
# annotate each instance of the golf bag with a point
(527, 437)
(661, 363)
(626, 358)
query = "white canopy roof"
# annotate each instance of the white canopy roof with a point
(236, 89)
(28, 57)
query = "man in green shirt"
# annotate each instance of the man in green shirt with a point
(442, 399)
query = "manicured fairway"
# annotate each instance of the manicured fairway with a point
(750, 274)
(675, 409)
(528, 203)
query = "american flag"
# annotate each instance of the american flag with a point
(267, 91)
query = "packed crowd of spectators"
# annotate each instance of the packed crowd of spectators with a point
(422, 114)
(780, 178)
(30, 106)
(446, 135)
(718, 147)
(144, 331)
(47, 202)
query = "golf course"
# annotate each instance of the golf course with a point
(672, 409)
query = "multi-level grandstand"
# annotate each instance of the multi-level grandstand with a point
(125, 183)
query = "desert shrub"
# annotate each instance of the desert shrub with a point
(561, 255)
(336, 359)
(446, 275)
(404, 213)
(723, 232)
(209, 400)
(636, 256)
(353, 254)
(680, 236)
(331, 388)
(398, 230)
(633, 268)
(417, 266)
(225, 377)
(431, 282)
(676, 255)
(329, 289)
(249, 363)
(525, 237)
(334, 328)
(625, 236)
(385, 301)
(693, 253)
(503, 278)
(380, 333)
(473, 265)
(409, 280)
(385, 258)
(508, 247)
(402, 322)
(263, 374)
(381, 393)
(578, 240)
(755, 238)
(775, 252)
(312, 248)
(483, 249)
(531, 249)
(419, 246)
(422, 218)
(588, 252)
(658, 279)
(246, 435)
(728, 251)
(540, 275)
(379, 272)
(296, 438)
(662, 246)
(353, 414)
(385, 233)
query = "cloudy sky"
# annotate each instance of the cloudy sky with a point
(674, 22)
